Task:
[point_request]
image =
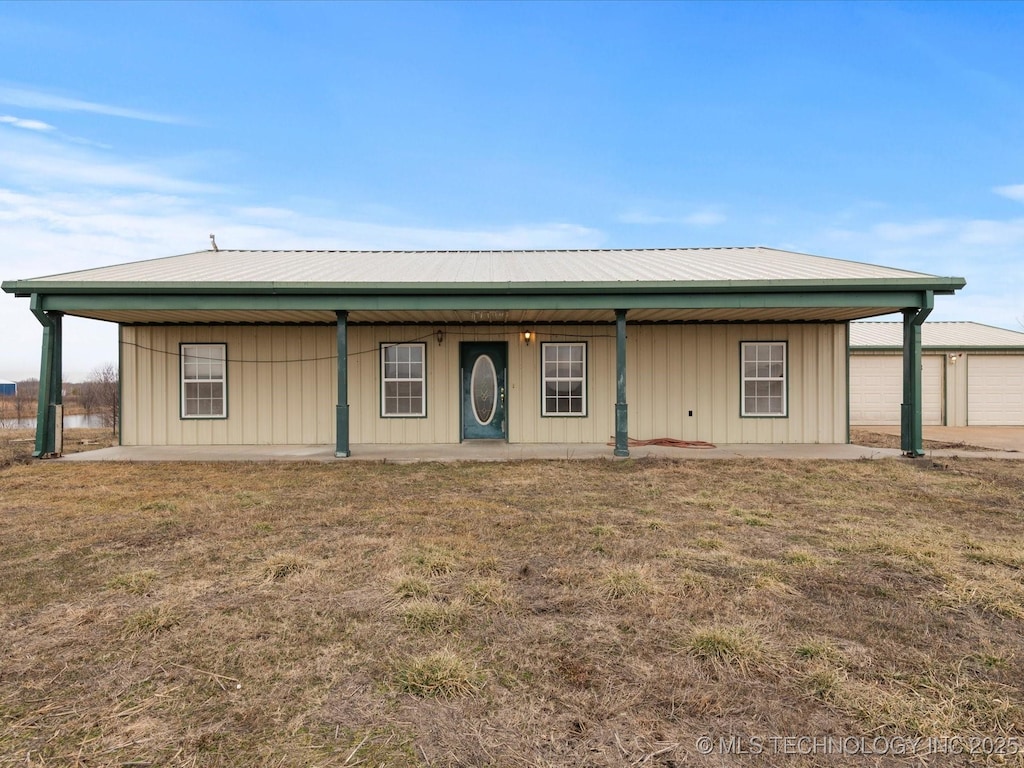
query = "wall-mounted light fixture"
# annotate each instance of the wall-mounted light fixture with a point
(440, 336)
(527, 336)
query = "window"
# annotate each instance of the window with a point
(565, 379)
(403, 380)
(764, 378)
(203, 375)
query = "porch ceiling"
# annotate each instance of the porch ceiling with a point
(489, 316)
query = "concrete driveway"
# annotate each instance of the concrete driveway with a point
(1009, 439)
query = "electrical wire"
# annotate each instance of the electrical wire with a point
(374, 350)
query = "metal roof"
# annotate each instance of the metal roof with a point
(935, 335)
(655, 285)
(484, 267)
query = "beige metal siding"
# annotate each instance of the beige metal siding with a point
(442, 423)
(282, 384)
(674, 370)
(995, 390)
(876, 388)
(956, 389)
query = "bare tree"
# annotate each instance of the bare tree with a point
(17, 408)
(26, 399)
(99, 394)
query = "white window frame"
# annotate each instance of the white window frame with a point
(397, 372)
(198, 370)
(762, 365)
(562, 378)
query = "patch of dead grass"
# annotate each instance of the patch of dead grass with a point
(440, 674)
(17, 445)
(871, 439)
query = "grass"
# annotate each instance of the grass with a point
(522, 614)
(860, 436)
(16, 445)
(438, 674)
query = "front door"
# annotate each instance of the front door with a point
(483, 389)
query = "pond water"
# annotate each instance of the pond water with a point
(70, 422)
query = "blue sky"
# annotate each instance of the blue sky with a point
(890, 133)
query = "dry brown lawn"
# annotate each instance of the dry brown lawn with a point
(860, 436)
(16, 445)
(554, 613)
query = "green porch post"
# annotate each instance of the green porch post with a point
(341, 449)
(49, 380)
(621, 408)
(911, 438)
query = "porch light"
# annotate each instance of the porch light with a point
(527, 335)
(440, 336)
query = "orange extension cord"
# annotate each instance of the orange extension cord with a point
(668, 442)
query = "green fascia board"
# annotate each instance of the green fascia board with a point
(349, 301)
(67, 287)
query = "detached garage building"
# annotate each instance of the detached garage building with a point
(971, 374)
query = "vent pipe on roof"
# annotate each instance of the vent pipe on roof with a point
(213, 242)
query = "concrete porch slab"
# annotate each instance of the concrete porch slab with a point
(481, 450)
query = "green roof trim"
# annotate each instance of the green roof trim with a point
(70, 302)
(45, 287)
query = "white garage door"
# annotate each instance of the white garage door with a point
(995, 390)
(876, 389)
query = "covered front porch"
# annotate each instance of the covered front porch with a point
(628, 289)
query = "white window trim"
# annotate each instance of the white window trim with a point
(784, 378)
(544, 379)
(186, 351)
(384, 380)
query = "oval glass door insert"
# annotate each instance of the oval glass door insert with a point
(483, 383)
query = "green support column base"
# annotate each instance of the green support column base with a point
(910, 440)
(621, 430)
(341, 450)
(906, 422)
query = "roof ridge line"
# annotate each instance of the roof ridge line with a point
(486, 250)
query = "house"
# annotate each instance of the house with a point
(971, 374)
(8, 388)
(729, 345)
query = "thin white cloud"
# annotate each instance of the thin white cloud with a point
(993, 233)
(705, 217)
(28, 125)
(241, 229)
(902, 232)
(32, 160)
(1012, 191)
(35, 99)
